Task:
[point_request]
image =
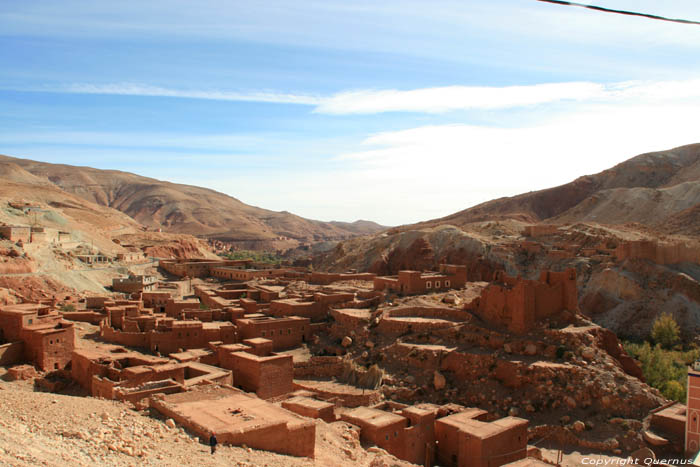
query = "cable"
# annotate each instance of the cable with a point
(621, 12)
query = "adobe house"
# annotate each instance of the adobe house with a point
(450, 276)
(134, 283)
(16, 233)
(238, 419)
(122, 375)
(518, 303)
(327, 278)
(311, 408)
(466, 441)
(408, 434)
(199, 267)
(48, 339)
(285, 333)
(315, 308)
(257, 369)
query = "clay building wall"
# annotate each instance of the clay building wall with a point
(267, 376)
(518, 303)
(319, 367)
(16, 233)
(50, 348)
(540, 230)
(296, 307)
(11, 353)
(659, 253)
(240, 419)
(311, 408)
(493, 444)
(173, 308)
(447, 435)
(285, 333)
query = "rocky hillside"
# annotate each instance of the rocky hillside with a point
(652, 189)
(652, 198)
(188, 209)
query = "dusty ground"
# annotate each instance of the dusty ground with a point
(38, 428)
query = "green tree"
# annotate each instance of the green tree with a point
(674, 390)
(665, 331)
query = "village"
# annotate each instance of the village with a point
(434, 367)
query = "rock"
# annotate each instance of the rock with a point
(507, 348)
(530, 349)
(439, 380)
(588, 353)
(570, 402)
(565, 419)
(170, 423)
(579, 426)
(654, 439)
(347, 341)
(369, 344)
(364, 354)
(104, 416)
(513, 412)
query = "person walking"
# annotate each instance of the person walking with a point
(212, 443)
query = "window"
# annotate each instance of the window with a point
(263, 333)
(437, 284)
(30, 320)
(179, 334)
(428, 285)
(50, 342)
(280, 332)
(396, 434)
(387, 437)
(289, 331)
(447, 283)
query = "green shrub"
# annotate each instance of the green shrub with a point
(665, 331)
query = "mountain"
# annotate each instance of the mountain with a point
(652, 189)
(189, 209)
(649, 204)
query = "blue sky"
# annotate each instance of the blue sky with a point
(394, 111)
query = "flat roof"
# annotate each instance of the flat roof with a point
(228, 410)
(375, 417)
(308, 402)
(23, 308)
(483, 430)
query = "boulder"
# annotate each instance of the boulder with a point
(347, 341)
(439, 380)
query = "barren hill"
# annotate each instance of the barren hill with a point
(651, 189)
(189, 209)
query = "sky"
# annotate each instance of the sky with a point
(392, 111)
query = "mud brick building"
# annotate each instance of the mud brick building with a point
(47, 339)
(16, 233)
(239, 418)
(285, 333)
(118, 374)
(257, 369)
(518, 303)
(134, 284)
(450, 276)
(199, 267)
(409, 433)
(466, 441)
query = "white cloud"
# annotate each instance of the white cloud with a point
(135, 89)
(444, 99)
(426, 100)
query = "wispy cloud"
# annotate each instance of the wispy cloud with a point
(426, 100)
(134, 89)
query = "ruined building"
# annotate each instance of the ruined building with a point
(517, 303)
